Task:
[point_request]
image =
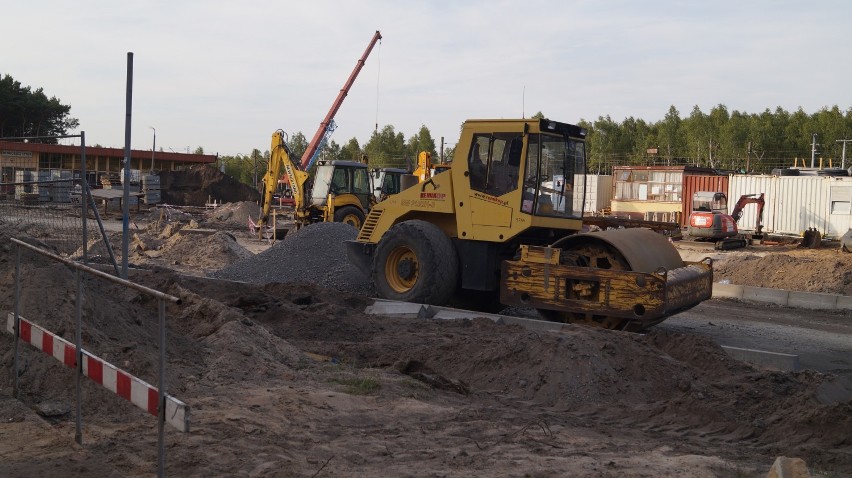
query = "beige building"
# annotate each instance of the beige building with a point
(54, 161)
(655, 193)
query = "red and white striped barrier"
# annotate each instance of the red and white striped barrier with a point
(138, 392)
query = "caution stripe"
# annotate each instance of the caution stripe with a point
(126, 386)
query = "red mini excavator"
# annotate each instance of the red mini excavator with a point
(710, 219)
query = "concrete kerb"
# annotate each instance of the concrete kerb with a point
(763, 358)
(804, 300)
(727, 291)
(762, 294)
(411, 310)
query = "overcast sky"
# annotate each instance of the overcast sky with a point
(224, 75)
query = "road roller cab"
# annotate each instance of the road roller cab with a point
(504, 225)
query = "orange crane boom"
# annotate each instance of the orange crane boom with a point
(313, 146)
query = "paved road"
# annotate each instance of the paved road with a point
(821, 339)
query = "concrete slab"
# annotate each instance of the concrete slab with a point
(445, 313)
(533, 324)
(402, 309)
(844, 302)
(762, 294)
(810, 300)
(456, 314)
(763, 358)
(410, 310)
(727, 291)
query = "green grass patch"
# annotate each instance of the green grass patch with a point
(358, 385)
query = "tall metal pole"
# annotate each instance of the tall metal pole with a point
(84, 197)
(125, 230)
(154, 147)
(813, 149)
(843, 154)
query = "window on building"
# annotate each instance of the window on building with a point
(660, 186)
(841, 200)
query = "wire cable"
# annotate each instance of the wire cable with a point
(378, 76)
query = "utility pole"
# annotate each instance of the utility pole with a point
(748, 157)
(843, 155)
(813, 149)
(153, 147)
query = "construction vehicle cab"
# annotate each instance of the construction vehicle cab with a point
(387, 181)
(341, 192)
(709, 218)
(502, 222)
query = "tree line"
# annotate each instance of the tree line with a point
(719, 139)
(28, 112)
(739, 141)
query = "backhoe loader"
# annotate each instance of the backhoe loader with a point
(339, 191)
(503, 222)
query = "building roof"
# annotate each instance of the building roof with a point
(108, 152)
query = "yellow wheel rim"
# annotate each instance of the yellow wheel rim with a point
(402, 269)
(352, 220)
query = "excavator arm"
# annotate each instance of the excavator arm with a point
(744, 200)
(280, 158)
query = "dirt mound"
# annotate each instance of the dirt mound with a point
(293, 378)
(180, 246)
(826, 271)
(202, 185)
(233, 215)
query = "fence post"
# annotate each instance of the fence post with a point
(17, 315)
(78, 339)
(161, 412)
(84, 190)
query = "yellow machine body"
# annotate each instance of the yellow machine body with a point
(503, 222)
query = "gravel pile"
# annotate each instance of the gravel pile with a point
(314, 254)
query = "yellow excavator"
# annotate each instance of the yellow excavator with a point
(339, 191)
(506, 221)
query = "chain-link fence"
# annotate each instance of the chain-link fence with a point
(50, 212)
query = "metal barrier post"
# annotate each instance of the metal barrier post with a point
(161, 407)
(78, 342)
(17, 316)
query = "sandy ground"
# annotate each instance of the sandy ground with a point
(293, 379)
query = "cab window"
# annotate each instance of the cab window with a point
(494, 163)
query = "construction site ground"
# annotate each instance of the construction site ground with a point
(286, 375)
